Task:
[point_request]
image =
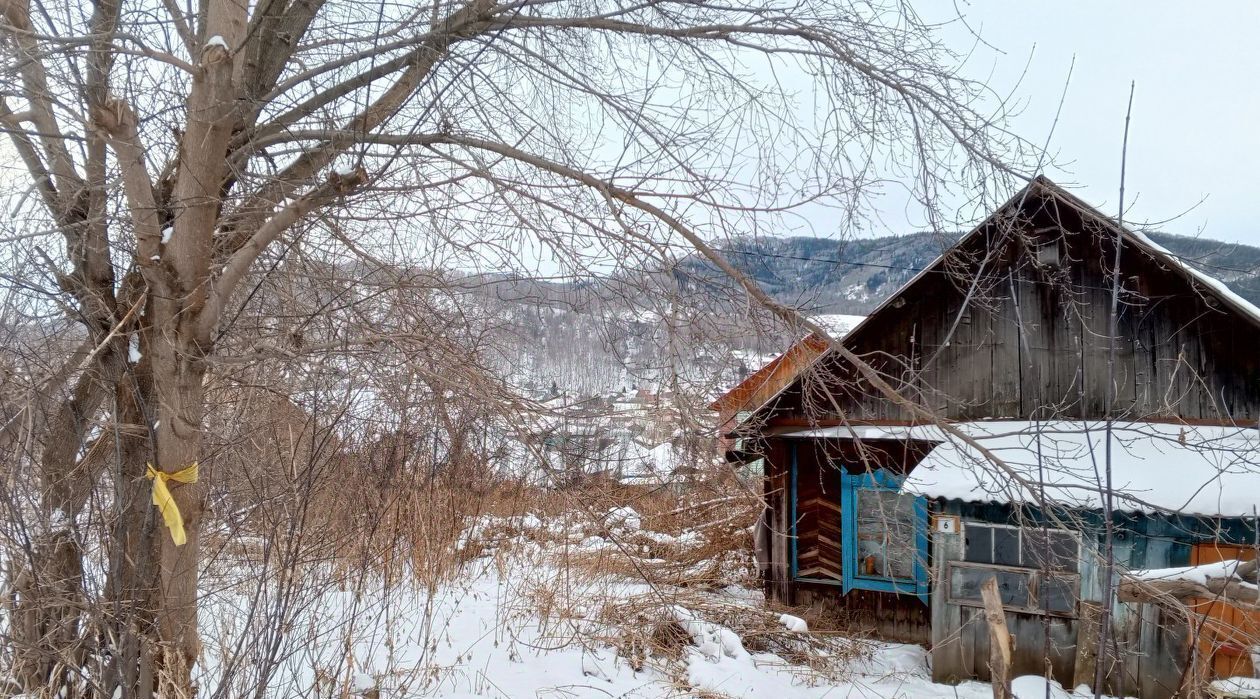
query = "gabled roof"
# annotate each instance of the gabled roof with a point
(1043, 188)
(1216, 288)
(779, 371)
(773, 376)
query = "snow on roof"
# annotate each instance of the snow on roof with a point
(1236, 687)
(1219, 287)
(838, 324)
(1155, 467)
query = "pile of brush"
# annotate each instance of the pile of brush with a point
(665, 629)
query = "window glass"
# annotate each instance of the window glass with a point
(964, 583)
(885, 534)
(1013, 585)
(979, 547)
(1057, 594)
(1006, 546)
(1053, 550)
(1045, 564)
(1021, 548)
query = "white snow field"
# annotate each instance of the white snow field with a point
(541, 612)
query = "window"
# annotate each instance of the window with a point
(1052, 549)
(1057, 594)
(1047, 254)
(1015, 586)
(1036, 569)
(884, 534)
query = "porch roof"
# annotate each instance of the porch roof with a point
(1156, 467)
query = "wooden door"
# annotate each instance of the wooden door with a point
(1228, 633)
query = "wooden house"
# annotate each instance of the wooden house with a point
(1007, 340)
(734, 406)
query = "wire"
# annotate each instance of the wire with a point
(847, 263)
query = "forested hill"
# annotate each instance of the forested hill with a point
(853, 276)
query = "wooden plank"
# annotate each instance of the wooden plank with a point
(1006, 371)
(1164, 653)
(999, 640)
(1087, 632)
(1228, 632)
(948, 660)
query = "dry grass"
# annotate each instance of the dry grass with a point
(687, 549)
(688, 546)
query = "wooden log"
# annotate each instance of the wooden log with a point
(999, 640)
(1238, 589)
(1087, 635)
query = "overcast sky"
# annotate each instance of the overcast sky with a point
(1195, 136)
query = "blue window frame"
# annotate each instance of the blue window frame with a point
(884, 535)
(878, 493)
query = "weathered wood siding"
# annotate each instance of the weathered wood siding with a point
(778, 518)
(899, 618)
(1005, 337)
(1148, 650)
(817, 519)
(1007, 333)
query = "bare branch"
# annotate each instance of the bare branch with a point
(117, 120)
(243, 258)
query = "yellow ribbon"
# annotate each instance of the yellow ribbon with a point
(166, 503)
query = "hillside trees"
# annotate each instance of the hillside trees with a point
(175, 160)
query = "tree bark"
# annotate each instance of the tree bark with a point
(131, 589)
(178, 446)
(177, 340)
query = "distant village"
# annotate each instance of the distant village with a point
(634, 437)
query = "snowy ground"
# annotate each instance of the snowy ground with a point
(530, 617)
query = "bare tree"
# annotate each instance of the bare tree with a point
(185, 155)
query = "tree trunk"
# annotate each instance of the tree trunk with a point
(130, 590)
(180, 335)
(45, 614)
(47, 604)
(179, 396)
